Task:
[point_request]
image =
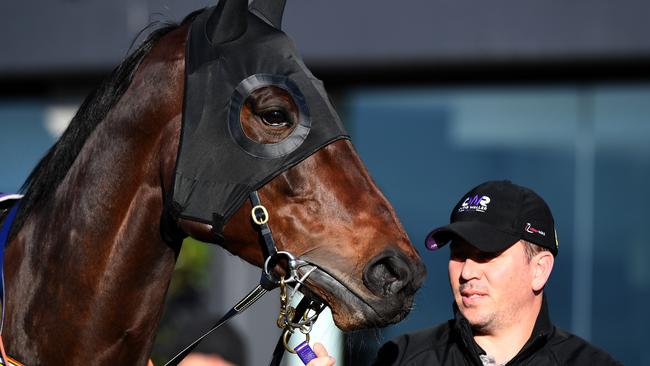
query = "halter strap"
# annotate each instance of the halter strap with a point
(267, 282)
(261, 218)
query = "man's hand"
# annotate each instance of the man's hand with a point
(323, 358)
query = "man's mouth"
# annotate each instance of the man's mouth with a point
(471, 298)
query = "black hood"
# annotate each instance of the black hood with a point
(231, 51)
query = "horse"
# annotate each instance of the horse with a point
(92, 250)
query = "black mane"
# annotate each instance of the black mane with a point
(53, 167)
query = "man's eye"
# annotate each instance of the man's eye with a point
(275, 118)
(457, 255)
(485, 257)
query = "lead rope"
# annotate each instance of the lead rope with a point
(247, 301)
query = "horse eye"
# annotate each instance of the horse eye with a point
(275, 118)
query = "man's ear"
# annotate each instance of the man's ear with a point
(541, 265)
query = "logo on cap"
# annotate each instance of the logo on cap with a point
(476, 203)
(532, 230)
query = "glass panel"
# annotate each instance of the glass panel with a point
(426, 148)
(23, 141)
(621, 290)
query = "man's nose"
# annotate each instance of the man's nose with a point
(470, 270)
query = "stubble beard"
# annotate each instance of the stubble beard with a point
(482, 321)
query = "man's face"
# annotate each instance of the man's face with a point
(492, 290)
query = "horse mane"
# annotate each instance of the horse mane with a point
(54, 166)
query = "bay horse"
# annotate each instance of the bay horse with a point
(91, 255)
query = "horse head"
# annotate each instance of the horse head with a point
(282, 135)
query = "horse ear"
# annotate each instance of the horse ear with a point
(228, 21)
(269, 10)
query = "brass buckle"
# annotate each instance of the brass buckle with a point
(257, 220)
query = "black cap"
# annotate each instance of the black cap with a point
(495, 215)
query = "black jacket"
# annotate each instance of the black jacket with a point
(452, 343)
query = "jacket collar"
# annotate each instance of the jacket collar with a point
(541, 332)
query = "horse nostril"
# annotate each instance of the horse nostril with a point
(387, 274)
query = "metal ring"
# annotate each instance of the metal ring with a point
(290, 258)
(263, 220)
(285, 341)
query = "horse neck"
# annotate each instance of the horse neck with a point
(89, 269)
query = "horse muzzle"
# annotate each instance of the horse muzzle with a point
(383, 297)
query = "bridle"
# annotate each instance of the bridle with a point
(292, 320)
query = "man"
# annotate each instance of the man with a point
(503, 246)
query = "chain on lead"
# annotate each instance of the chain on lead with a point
(287, 312)
(305, 324)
